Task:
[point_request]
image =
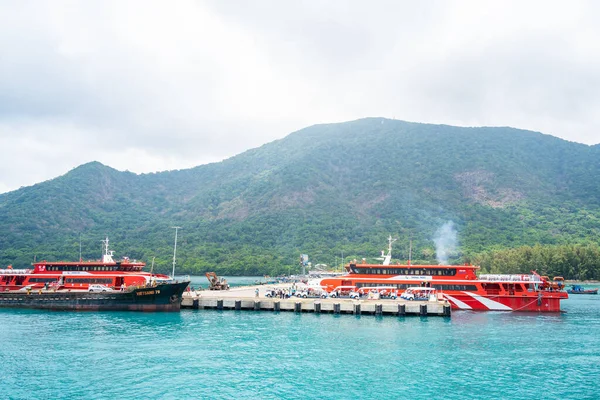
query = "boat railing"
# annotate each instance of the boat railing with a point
(507, 278)
(11, 271)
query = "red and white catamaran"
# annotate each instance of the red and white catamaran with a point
(459, 284)
(79, 275)
(105, 284)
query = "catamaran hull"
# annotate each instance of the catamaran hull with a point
(475, 302)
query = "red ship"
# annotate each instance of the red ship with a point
(460, 285)
(90, 285)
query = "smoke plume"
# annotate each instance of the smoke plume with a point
(445, 242)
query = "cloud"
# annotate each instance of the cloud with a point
(154, 85)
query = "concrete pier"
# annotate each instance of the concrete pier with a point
(243, 299)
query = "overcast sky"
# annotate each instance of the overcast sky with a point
(159, 85)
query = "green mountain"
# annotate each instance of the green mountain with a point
(323, 191)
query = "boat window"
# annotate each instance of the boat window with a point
(519, 287)
(89, 280)
(42, 280)
(471, 288)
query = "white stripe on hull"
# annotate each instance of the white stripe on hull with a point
(458, 303)
(490, 304)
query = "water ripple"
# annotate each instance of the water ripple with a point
(249, 355)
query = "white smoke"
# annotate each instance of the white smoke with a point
(445, 242)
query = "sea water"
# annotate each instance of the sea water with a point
(205, 354)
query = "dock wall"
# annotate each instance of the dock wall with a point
(332, 306)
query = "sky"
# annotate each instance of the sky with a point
(150, 85)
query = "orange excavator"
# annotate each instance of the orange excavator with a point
(216, 283)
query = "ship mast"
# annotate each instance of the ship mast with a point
(107, 256)
(388, 257)
(174, 250)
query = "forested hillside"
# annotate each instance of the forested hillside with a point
(323, 191)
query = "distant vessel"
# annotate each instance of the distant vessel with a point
(324, 274)
(322, 271)
(459, 284)
(68, 285)
(578, 289)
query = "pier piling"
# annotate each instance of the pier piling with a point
(447, 310)
(401, 309)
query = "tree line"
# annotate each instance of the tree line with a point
(572, 261)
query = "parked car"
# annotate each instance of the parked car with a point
(98, 288)
(354, 295)
(342, 291)
(419, 293)
(273, 293)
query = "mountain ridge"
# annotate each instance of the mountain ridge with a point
(328, 186)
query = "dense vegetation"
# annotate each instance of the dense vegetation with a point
(517, 200)
(578, 262)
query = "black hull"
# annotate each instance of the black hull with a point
(164, 297)
(582, 291)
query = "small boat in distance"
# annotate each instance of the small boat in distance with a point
(578, 289)
(73, 285)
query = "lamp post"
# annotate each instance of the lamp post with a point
(174, 250)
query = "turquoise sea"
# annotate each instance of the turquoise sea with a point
(201, 354)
